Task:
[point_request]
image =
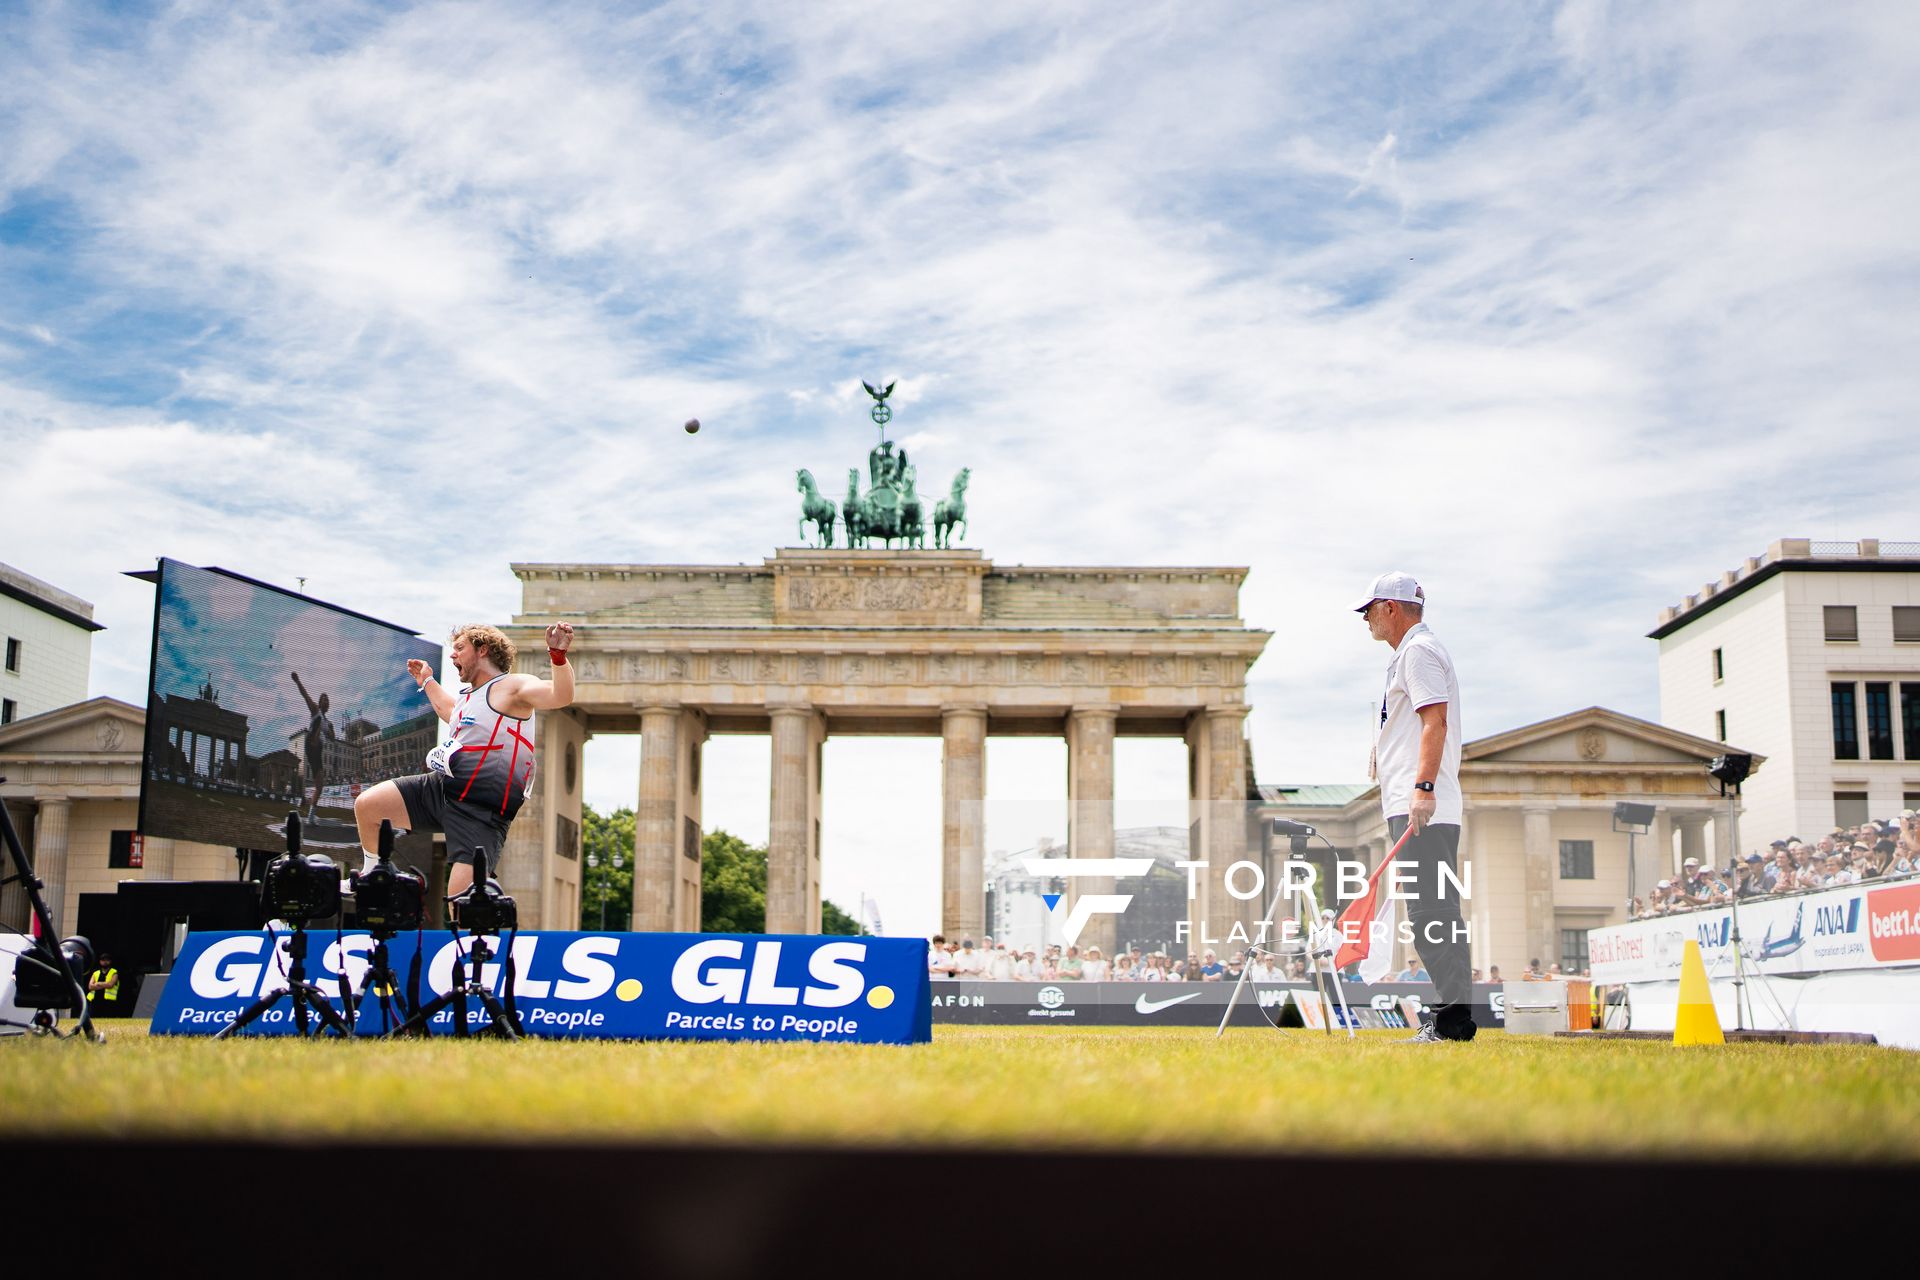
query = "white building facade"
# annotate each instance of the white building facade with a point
(1810, 655)
(46, 643)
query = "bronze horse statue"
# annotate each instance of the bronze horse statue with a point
(815, 508)
(913, 529)
(951, 510)
(855, 517)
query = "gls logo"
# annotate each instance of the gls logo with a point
(700, 977)
(236, 968)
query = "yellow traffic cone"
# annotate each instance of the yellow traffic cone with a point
(1695, 1021)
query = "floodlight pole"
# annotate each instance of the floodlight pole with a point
(1630, 830)
(1742, 1009)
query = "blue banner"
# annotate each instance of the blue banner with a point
(611, 986)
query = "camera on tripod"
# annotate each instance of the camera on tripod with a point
(388, 900)
(42, 981)
(482, 907)
(302, 888)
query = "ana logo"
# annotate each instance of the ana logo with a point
(1052, 997)
(1841, 917)
(706, 973)
(1714, 933)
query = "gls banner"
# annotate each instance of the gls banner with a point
(620, 986)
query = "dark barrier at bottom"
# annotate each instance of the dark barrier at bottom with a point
(721, 1210)
(1164, 1004)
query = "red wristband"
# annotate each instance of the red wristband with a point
(558, 657)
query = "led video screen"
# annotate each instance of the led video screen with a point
(264, 702)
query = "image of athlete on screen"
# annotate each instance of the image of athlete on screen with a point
(482, 770)
(314, 743)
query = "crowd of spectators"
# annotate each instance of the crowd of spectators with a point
(996, 961)
(1848, 855)
(992, 961)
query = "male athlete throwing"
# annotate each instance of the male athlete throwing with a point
(482, 770)
(314, 743)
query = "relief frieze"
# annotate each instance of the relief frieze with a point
(894, 595)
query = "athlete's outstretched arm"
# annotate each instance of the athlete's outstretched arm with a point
(551, 695)
(423, 676)
(313, 708)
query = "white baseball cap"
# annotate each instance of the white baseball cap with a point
(1393, 586)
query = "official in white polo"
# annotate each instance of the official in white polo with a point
(1416, 757)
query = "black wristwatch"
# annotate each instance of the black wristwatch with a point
(1423, 786)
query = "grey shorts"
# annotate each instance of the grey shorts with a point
(430, 808)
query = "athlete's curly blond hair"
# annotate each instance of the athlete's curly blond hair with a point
(488, 640)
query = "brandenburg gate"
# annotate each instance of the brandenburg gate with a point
(870, 639)
(817, 642)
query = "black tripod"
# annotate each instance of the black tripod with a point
(384, 983)
(388, 902)
(307, 998)
(484, 909)
(467, 986)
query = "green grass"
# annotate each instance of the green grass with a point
(1167, 1089)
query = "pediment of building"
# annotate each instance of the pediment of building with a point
(1595, 736)
(99, 726)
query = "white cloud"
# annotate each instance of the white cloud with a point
(1565, 312)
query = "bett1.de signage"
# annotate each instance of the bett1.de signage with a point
(625, 986)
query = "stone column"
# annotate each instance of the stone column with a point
(1478, 909)
(1199, 770)
(1217, 804)
(1693, 840)
(531, 868)
(656, 821)
(686, 902)
(13, 896)
(1537, 824)
(50, 860)
(1651, 859)
(793, 863)
(1090, 810)
(963, 850)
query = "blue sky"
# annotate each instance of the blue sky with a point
(1565, 308)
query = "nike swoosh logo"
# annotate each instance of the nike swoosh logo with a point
(1144, 1005)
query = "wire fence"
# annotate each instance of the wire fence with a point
(1853, 548)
